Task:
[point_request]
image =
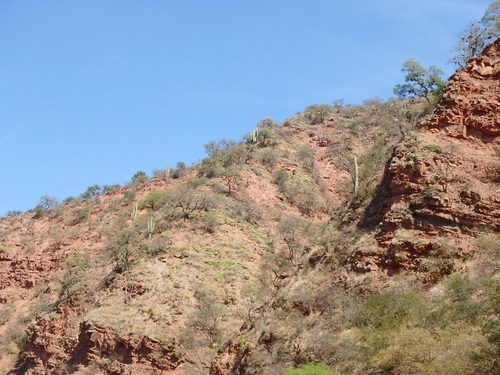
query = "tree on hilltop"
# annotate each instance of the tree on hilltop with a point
(476, 37)
(420, 82)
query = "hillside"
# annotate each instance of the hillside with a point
(265, 256)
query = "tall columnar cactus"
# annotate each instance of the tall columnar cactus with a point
(356, 175)
(253, 136)
(168, 171)
(133, 215)
(151, 226)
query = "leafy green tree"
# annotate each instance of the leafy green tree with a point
(92, 192)
(471, 43)
(180, 170)
(420, 82)
(318, 113)
(491, 18)
(46, 203)
(140, 177)
(476, 37)
(109, 188)
(124, 247)
(219, 147)
(231, 177)
(13, 213)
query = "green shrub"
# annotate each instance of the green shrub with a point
(316, 114)
(209, 167)
(219, 147)
(129, 195)
(311, 369)
(39, 211)
(224, 159)
(46, 203)
(140, 177)
(196, 182)
(417, 351)
(184, 202)
(159, 245)
(280, 178)
(264, 133)
(92, 192)
(124, 247)
(76, 275)
(293, 229)
(247, 209)
(5, 313)
(109, 188)
(434, 148)
(307, 157)
(266, 137)
(460, 287)
(489, 242)
(387, 310)
(154, 199)
(269, 158)
(180, 170)
(13, 213)
(210, 222)
(279, 302)
(80, 214)
(69, 200)
(15, 334)
(304, 196)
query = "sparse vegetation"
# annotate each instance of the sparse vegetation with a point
(203, 259)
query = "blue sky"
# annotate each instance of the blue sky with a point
(94, 90)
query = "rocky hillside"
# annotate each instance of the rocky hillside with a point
(344, 236)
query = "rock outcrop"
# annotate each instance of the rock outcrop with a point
(441, 185)
(471, 99)
(50, 342)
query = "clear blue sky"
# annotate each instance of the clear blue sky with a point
(94, 90)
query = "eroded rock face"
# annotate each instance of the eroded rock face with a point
(50, 343)
(441, 185)
(471, 99)
(47, 346)
(96, 342)
(230, 358)
(21, 274)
